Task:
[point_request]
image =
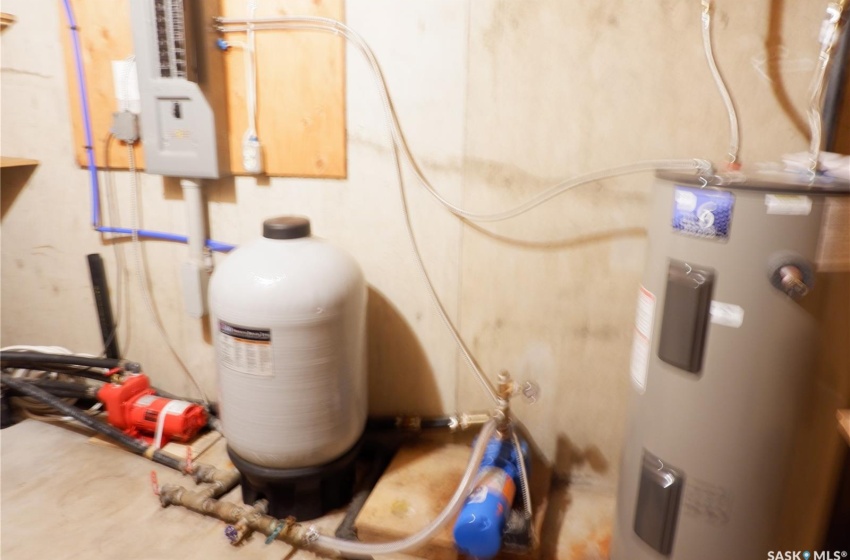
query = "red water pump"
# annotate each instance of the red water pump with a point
(134, 407)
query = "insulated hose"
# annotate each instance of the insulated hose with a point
(448, 513)
(42, 358)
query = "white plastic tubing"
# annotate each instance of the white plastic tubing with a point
(448, 513)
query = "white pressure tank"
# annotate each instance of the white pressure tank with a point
(289, 313)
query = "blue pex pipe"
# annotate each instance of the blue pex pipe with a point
(212, 244)
(84, 106)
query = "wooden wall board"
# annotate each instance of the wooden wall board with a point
(105, 35)
(301, 93)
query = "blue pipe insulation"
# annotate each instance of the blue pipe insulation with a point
(84, 106)
(92, 167)
(212, 244)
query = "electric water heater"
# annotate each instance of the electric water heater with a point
(723, 347)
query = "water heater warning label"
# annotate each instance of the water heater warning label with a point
(642, 339)
(245, 350)
(703, 213)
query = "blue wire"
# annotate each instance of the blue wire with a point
(92, 167)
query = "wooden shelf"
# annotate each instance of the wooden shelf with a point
(16, 162)
(844, 422)
(6, 20)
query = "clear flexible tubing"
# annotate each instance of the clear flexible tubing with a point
(250, 52)
(480, 376)
(306, 23)
(734, 130)
(830, 35)
(142, 273)
(448, 513)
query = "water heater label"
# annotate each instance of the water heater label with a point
(642, 338)
(703, 213)
(245, 350)
(727, 314)
(788, 205)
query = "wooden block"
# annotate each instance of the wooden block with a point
(414, 489)
(199, 445)
(16, 162)
(6, 20)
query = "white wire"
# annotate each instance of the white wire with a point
(734, 130)
(142, 272)
(118, 250)
(250, 70)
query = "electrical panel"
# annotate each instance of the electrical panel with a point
(177, 123)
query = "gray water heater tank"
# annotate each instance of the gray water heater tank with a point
(721, 355)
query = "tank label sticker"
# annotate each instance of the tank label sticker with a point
(788, 205)
(245, 350)
(727, 314)
(644, 319)
(703, 213)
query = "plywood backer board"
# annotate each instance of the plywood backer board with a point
(105, 35)
(300, 94)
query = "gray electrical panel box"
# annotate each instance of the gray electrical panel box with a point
(177, 123)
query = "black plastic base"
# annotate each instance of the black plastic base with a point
(304, 493)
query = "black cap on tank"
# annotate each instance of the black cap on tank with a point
(286, 227)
